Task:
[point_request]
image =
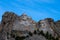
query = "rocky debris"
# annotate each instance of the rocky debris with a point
(19, 33)
(12, 39)
(36, 37)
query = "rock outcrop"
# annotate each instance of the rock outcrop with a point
(47, 25)
(21, 25)
(58, 27)
(24, 24)
(7, 21)
(11, 22)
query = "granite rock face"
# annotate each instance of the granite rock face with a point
(0, 28)
(58, 27)
(47, 25)
(24, 24)
(44, 25)
(12, 22)
(7, 21)
(21, 25)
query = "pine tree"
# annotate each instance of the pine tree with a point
(35, 32)
(42, 33)
(57, 38)
(47, 35)
(30, 34)
(39, 33)
(20, 38)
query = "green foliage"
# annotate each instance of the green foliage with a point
(50, 37)
(57, 38)
(42, 33)
(12, 35)
(35, 32)
(47, 35)
(38, 30)
(20, 38)
(39, 33)
(30, 34)
(27, 36)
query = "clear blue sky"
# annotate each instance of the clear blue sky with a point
(37, 9)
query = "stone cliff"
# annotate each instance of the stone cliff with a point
(21, 25)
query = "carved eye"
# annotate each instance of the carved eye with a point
(4, 23)
(43, 24)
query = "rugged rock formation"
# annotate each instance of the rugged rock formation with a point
(21, 25)
(0, 27)
(7, 21)
(11, 22)
(24, 24)
(44, 25)
(58, 27)
(47, 25)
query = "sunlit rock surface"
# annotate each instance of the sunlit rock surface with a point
(58, 27)
(45, 26)
(21, 25)
(36, 37)
(24, 24)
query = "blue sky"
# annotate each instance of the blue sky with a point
(37, 9)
